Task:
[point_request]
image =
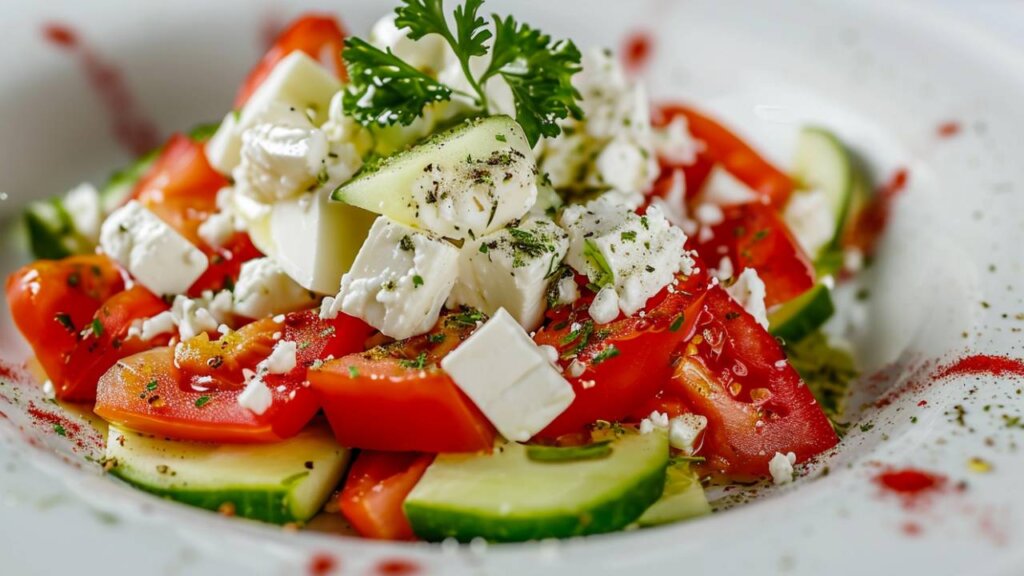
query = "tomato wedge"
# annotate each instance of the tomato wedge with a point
(396, 398)
(181, 188)
(52, 301)
(375, 490)
(735, 155)
(105, 341)
(198, 399)
(734, 372)
(625, 362)
(754, 236)
(318, 35)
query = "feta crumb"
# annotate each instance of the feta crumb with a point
(657, 420)
(568, 292)
(264, 289)
(149, 328)
(749, 292)
(725, 269)
(781, 467)
(721, 188)
(256, 397)
(282, 359)
(709, 214)
(684, 430)
(328, 309)
(279, 161)
(48, 390)
(853, 260)
(576, 368)
(605, 306)
(675, 144)
(192, 317)
(217, 229)
(780, 364)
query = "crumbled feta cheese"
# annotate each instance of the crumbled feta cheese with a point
(656, 420)
(622, 164)
(808, 215)
(674, 143)
(567, 291)
(673, 204)
(263, 289)
(282, 359)
(400, 279)
(509, 378)
(329, 308)
(85, 208)
(576, 368)
(280, 161)
(49, 391)
(721, 188)
(511, 269)
(683, 431)
(192, 317)
(636, 255)
(256, 397)
(217, 229)
(749, 291)
(781, 467)
(156, 255)
(853, 259)
(709, 214)
(426, 54)
(146, 329)
(725, 269)
(605, 306)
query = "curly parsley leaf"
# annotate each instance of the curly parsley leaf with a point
(385, 89)
(539, 71)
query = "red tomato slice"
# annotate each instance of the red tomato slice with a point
(375, 490)
(181, 188)
(754, 236)
(100, 349)
(395, 397)
(319, 36)
(52, 302)
(734, 372)
(198, 399)
(626, 362)
(735, 155)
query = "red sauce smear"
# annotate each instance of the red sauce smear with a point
(982, 364)
(9, 371)
(322, 564)
(948, 129)
(54, 421)
(637, 50)
(910, 481)
(872, 222)
(130, 127)
(397, 567)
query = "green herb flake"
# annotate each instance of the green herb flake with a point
(677, 323)
(353, 372)
(65, 321)
(202, 401)
(153, 385)
(417, 363)
(607, 353)
(59, 429)
(417, 281)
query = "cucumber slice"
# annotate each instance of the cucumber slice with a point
(121, 183)
(282, 482)
(462, 183)
(683, 498)
(823, 163)
(801, 316)
(51, 233)
(505, 496)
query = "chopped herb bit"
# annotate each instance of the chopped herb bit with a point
(353, 372)
(468, 317)
(417, 363)
(606, 354)
(406, 244)
(74, 279)
(96, 327)
(628, 236)
(417, 281)
(153, 385)
(436, 338)
(59, 429)
(65, 321)
(677, 323)
(202, 401)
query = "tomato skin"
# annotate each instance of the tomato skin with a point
(198, 399)
(755, 236)
(395, 398)
(375, 490)
(735, 155)
(320, 36)
(617, 387)
(94, 354)
(734, 373)
(72, 289)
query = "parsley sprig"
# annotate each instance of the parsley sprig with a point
(386, 90)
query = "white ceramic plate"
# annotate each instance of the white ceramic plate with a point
(884, 75)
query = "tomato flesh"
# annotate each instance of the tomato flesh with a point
(321, 37)
(754, 236)
(734, 372)
(52, 302)
(732, 153)
(198, 398)
(375, 490)
(395, 397)
(613, 385)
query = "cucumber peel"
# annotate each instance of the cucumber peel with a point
(801, 316)
(683, 498)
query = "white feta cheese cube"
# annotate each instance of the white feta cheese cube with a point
(224, 148)
(280, 161)
(511, 269)
(153, 253)
(605, 306)
(256, 397)
(749, 291)
(315, 240)
(217, 229)
(400, 279)
(146, 329)
(781, 467)
(636, 255)
(263, 289)
(683, 431)
(721, 188)
(282, 359)
(509, 378)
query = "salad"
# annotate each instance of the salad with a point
(453, 279)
